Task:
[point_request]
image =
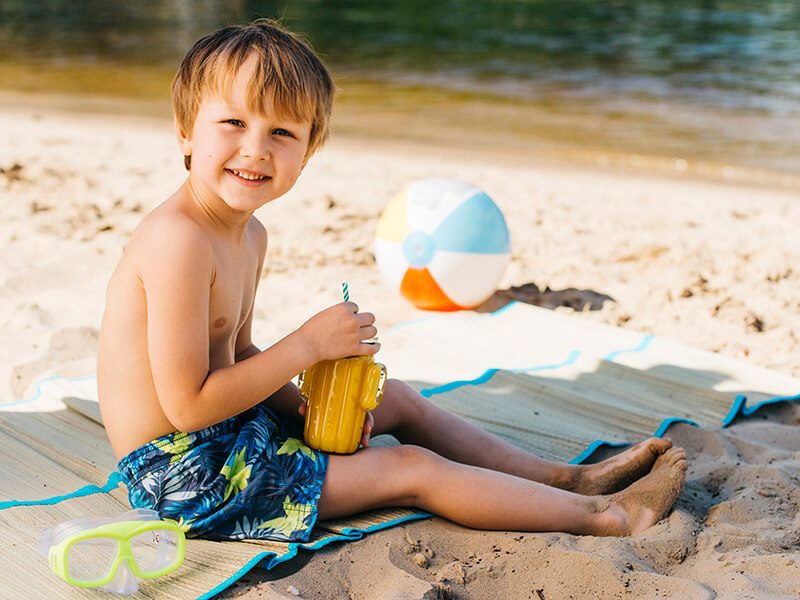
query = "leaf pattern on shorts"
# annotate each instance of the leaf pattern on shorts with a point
(179, 445)
(237, 474)
(293, 518)
(250, 477)
(292, 445)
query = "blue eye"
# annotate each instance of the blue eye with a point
(282, 132)
(235, 122)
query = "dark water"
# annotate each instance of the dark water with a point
(724, 70)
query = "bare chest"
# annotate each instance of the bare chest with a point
(230, 302)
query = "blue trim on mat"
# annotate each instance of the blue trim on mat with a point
(38, 391)
(489, 373)
(643, 344)
(597, 444)
(593, 447)
(740, 408)
(662, 429)
(736, 407)
(494, 313)
(349, 534)
(446, 387)
(114, 479)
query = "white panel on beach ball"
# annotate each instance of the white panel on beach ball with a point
(430, 201)
(391, 262)
(458, 276)
(443, 244)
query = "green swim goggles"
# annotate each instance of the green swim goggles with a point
(114, 553)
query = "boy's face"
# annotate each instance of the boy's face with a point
(241, 157)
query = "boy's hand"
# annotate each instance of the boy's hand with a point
(369, 423)
(338, 332)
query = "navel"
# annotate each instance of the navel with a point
(220, 322)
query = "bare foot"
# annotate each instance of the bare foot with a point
(617, 472)
(644, 503)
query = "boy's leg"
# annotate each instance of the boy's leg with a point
(412, 419)
(486, 499)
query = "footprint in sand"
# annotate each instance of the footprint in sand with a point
(421, 554)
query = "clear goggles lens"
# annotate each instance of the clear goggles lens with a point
(92, 559)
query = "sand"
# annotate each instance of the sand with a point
(706, 263)
(732, 534)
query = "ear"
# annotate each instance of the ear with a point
(184, 141)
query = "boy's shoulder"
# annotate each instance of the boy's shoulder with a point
(169, 234)
(167, 231)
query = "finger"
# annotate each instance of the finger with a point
(369, 422)
(301, 408)
(365, 333)
(366, 318)
(365, 349)
(351, 307)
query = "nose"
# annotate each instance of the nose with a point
(256, 146)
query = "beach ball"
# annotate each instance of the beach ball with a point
(443, 244)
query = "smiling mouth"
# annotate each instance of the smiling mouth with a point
(248, 176)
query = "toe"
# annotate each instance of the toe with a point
(678, 454)
(660, 445)
(668, 458)
(678, 472)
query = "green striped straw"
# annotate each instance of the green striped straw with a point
(345, 291)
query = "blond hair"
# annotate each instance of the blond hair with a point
(287, 68)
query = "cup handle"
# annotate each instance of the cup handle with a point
(300, 379)
(372, 401)
(382, 384)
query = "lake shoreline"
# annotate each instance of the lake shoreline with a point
(458, 124)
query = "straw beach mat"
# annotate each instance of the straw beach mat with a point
(56, 464)
(554, 384)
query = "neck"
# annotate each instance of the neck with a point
(215, 211)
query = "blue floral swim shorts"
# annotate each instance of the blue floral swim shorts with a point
(250, 477)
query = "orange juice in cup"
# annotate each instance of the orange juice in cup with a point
(338, 394)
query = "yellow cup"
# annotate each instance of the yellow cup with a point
(338, 394)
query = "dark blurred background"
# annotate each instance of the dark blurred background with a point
(686, 81)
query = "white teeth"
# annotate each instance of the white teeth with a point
(249, 177)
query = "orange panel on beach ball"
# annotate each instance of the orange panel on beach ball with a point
(422, 290)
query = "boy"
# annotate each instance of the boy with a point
(207, 427)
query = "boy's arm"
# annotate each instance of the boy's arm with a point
(287, 400)
(251, 350)
(177, 272)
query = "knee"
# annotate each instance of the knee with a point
(404, 400)
(396, 388)
(411, 456)
(417, 467)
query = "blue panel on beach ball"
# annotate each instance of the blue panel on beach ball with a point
(418, 248)
(477, 225)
